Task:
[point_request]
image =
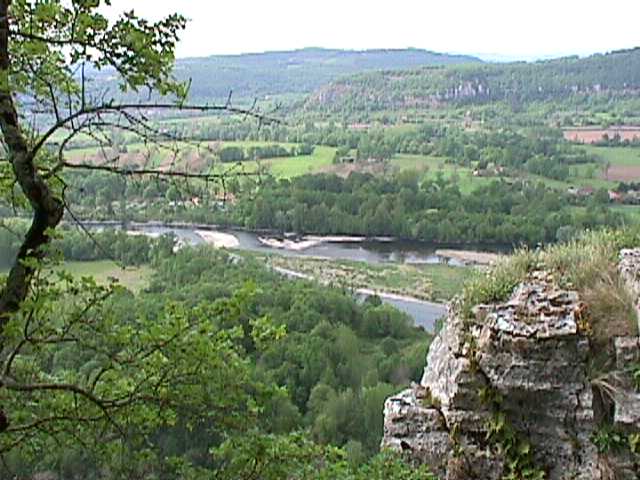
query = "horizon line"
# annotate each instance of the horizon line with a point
(495, 57)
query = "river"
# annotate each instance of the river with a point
(350, 248)
(424, 313)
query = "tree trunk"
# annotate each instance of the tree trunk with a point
(47, 209)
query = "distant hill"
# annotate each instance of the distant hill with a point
(613, 74)
(298, 71)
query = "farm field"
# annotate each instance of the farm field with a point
(632, 212)
(624, 161)
(199, 159)
(300, 165)
(618, 156)
(589, 135)
(133, 278)
(428, 168)
(431, 167)
(624, 164)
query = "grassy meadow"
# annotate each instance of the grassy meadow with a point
(624, 164)
(431, 166)
(200, 159)
(133, 278)
(618, 156)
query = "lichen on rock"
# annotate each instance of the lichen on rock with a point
(522, 368)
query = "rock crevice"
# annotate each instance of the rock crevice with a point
(525, 362)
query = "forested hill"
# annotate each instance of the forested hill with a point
(298, 71)
(613, 74)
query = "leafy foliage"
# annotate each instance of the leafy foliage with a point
(148, 385)
(434, 210)
(81, 372)
(339, 359)
(96, 382)
(50, 37)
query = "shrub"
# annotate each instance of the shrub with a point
(497, 284)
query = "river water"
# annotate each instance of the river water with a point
(392, 251)
(424, 314)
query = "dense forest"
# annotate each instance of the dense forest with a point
(509, 208)
(436, 211)
(328, 370)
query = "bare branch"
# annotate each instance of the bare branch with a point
(159, 173)
(117, 108)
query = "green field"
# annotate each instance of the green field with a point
(296, 166)
(583, 175)
(421, 163)
(623, 156)
(133, 278)
(632, 212)
(430, 167)
(285, 167)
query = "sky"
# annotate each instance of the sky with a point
(493, 29)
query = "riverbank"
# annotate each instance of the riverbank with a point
(309, 241)
(375, 250)
(360, 291)
(397, 268)
(425, 313)
(219, 239)
(435, 283)
(287, 244)
(469, 257)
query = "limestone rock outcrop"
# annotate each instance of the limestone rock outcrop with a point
(514, 383)
(629, 268)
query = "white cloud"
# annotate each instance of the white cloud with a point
(515, 28)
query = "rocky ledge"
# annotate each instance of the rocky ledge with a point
(512, 391)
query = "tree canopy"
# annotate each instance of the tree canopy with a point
(87, 378)
(45, 48)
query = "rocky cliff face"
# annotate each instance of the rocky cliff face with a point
(514, 390)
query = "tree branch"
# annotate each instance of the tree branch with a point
(117, 108)
(157, 172)
(47, 210)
